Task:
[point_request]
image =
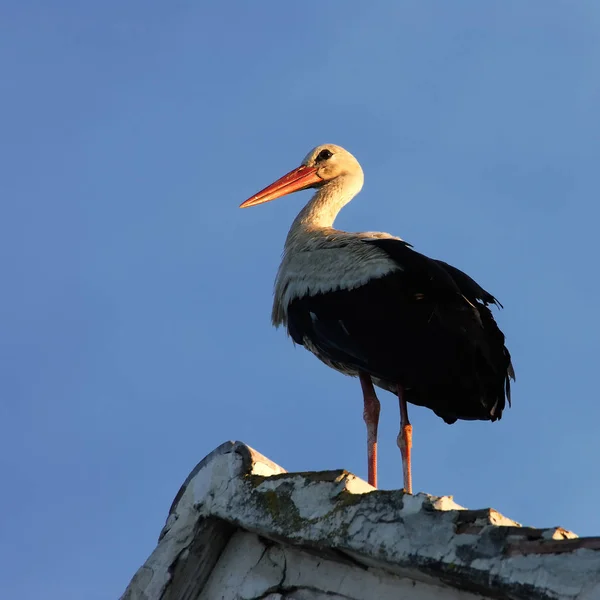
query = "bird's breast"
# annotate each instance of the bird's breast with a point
(323, 270)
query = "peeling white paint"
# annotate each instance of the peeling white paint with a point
(400, 546)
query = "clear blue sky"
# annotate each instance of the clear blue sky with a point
(136, 297)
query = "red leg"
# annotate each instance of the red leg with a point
(371, 417)
(405, 441)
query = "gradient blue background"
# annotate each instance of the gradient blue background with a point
(136, 297)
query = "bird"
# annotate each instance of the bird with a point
(370, 306)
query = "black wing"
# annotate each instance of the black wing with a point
(468, 286)
(426, 326)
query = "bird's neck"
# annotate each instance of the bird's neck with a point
(322, 209)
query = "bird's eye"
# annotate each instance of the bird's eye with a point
(324, 155)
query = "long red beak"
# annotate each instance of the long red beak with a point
(295, 180)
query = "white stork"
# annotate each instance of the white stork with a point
(368, 305)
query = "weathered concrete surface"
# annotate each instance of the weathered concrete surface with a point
(340, 530)
(252, 568)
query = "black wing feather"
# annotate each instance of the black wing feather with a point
(468, 286)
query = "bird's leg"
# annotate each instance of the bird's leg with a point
(405, 441)
(371, 417)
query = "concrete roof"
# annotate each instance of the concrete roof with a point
(241, 520)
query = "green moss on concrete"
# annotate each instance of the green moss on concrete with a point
(280, 508)
(309, 477)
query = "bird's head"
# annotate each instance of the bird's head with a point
(323, 164)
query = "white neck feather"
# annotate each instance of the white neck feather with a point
(322, 209)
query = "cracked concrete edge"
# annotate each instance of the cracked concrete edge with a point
(424, 537)
(251, 459)
(228, 462)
